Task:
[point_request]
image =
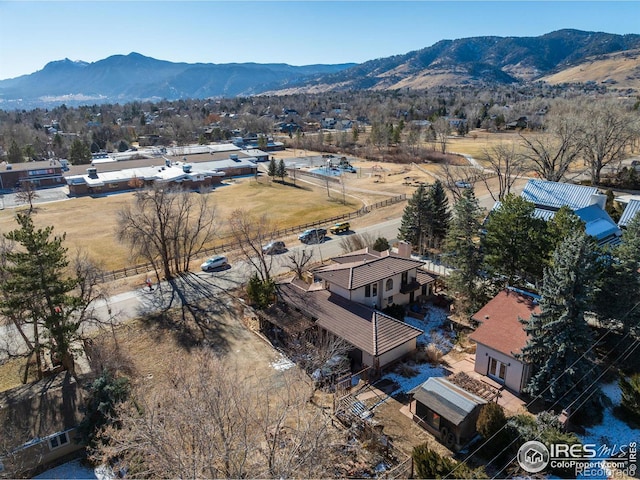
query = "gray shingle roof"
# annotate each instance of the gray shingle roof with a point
(554, 195)
(447, 399)
(356, 274)
(366, 329)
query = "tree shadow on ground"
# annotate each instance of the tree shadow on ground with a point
(196, 311)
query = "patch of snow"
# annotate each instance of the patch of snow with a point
(74, 470)
(425, 371)
(381, 467)
(282, 364)
(612, 432)
(433, 327)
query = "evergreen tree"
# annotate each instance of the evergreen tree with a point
(79, 153)
(281, 171)
(14, 155)
(430, 464)
(105, 393)
(618, 295)
(630, 390)
(36, 290)
(273, 168)
(381, 244)
(441, 215)
(463, 248)
(416, 226)
(558, 336)
(515, 244)
(563, 224)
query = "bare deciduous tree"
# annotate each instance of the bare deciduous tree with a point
(299, 259)
(457, 179)
(442, 129)
(507, 164)
(210, 425)
(552, 153)
(357, 241)
(251, 233)
(607, 131)
(27, 193)
(167, 227)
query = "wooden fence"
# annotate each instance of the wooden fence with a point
(230, 245)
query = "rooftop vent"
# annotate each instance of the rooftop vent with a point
(234, 157)
(186, 168)
(92, 172)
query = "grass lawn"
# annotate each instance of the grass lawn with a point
(90, 223)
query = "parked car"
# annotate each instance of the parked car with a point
(274, 248)
(214, 262)
(461, 184)
(313, 235)
(340, 227)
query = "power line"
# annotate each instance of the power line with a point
(539, 396)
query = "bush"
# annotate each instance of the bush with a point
(490, 425)
(260, 293)
(434, 354)
(430, 464)
(406, 370)
(105, 393)
(381, 244)
(630, 395)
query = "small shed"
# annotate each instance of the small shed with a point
(446, 410)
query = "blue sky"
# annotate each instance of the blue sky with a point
(296, 32)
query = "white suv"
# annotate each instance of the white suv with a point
(214, 262)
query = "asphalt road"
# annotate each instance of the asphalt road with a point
(121, 307)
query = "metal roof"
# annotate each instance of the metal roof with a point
(598, 223)
(630, 211)
(553, 195)
(447, 399)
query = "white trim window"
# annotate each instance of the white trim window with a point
(58, 440)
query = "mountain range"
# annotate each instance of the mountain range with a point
(561, 56)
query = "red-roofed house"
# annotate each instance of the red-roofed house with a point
(501, 336)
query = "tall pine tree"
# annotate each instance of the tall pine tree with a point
(559, 336)
(37, 292)
(416, 226)
(618, 300)
(441, 215)
(516, 244)
(463, 246)
(272, 171)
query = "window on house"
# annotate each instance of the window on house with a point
(374, 289)
(389, 284)
(405, 277)
(497, 369)
(433, 419)
(58, 440)
(367, 291)
(390, 300)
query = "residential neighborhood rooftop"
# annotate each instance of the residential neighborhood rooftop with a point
(365, 328)
(553, 195)
(363, 269)
(447, 399)
(500, 327)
